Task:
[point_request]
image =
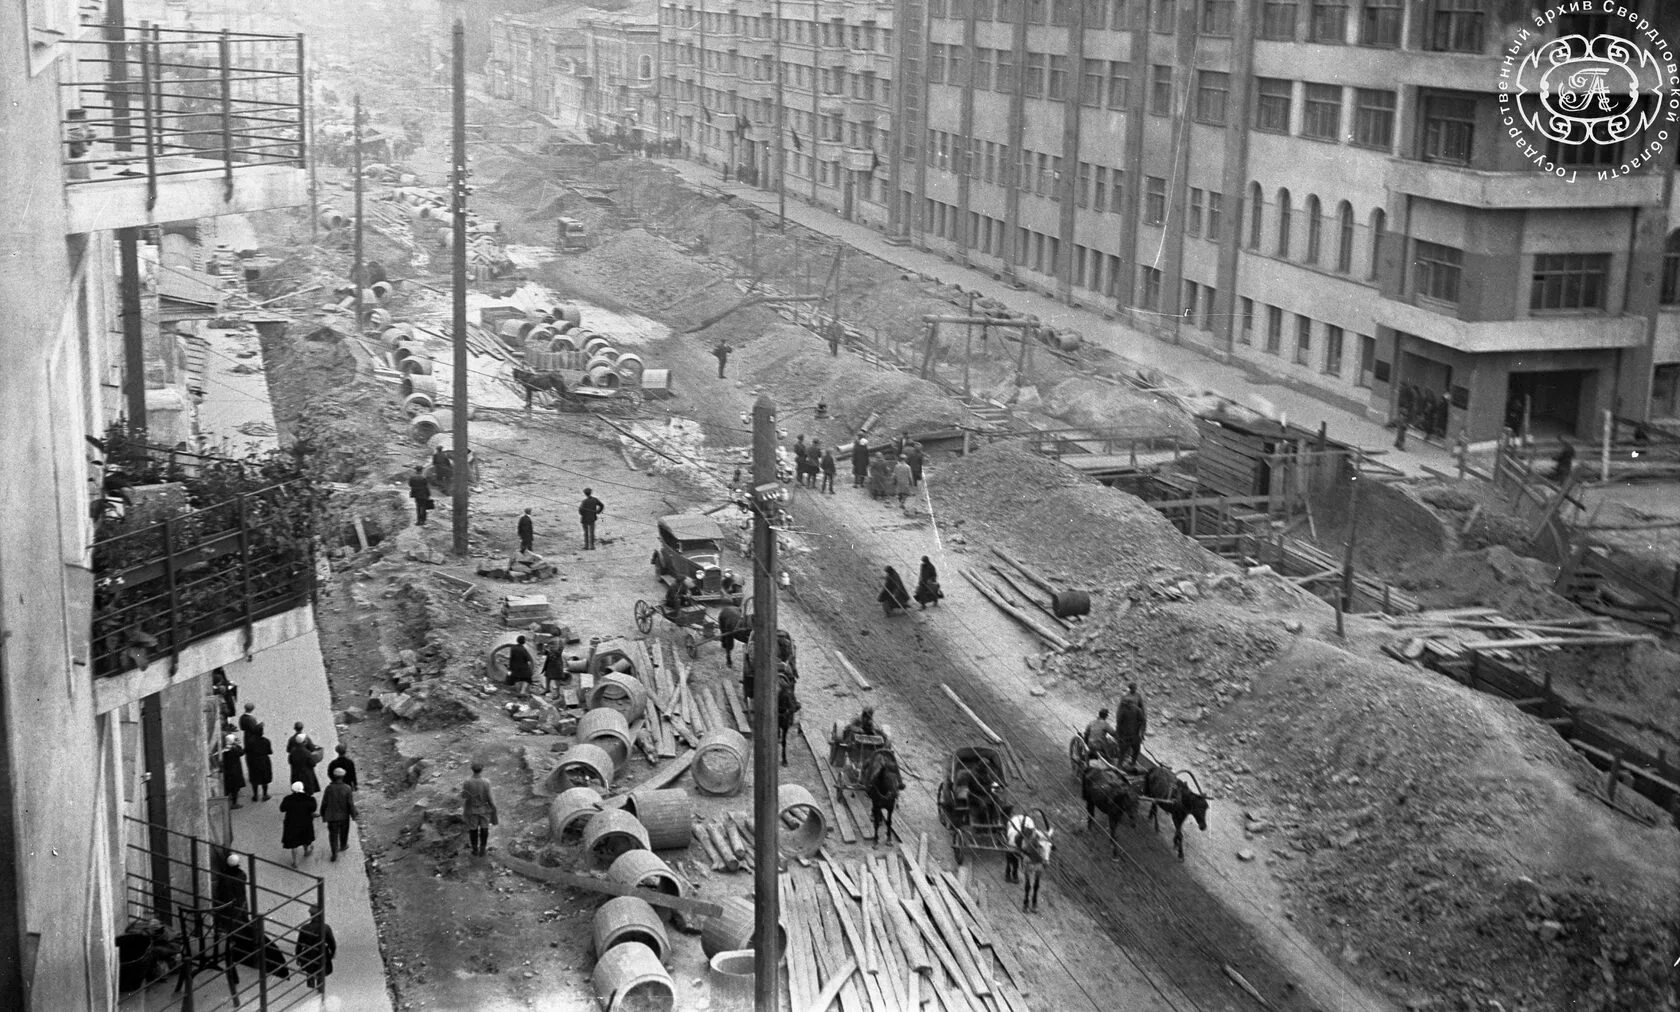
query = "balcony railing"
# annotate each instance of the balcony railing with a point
(161, 102)
(165, 586)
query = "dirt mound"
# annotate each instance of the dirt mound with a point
(1495, 577)
(1089, 403)
(643, 269)
(1426, 828)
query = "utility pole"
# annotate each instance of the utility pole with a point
(458, 205)
(766, 817)
(309, 138)
(356, 272)
(1346, 601)
(968, 347)
(781, 120)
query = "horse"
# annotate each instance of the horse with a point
(883, 782)
(531, 380)
(787, 708)
(1103, 787)
(733, 629)
(1180, 802)
(1031, 839)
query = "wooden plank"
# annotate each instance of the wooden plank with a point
(1557, 641)
(1015, 613)
(936, 945)
(977, 982)
(668, 775)
(737, 709)
(991, 735)
(553, 876)
(1026, 570)
(903, 930)
(798, 950)
(842, 814)
(831, 990)
(1033, 599)
(857, 676)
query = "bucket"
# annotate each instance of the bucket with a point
(421, 428)
(606, 728)
(806, 838)
(586, 766)
(416, 384)
(1070, 603)
(625, 919)
(611, 833)
(631, 977)
(624, 693)
(733, 929)
(645, 869)
(668, 815)
(570, 812)
(604, 377)
(417, 404)
(733, 981)
(720, 762)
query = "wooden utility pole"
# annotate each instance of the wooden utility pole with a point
(781, 119)
(968, 346)
(356, 278)
(766, 817)
(1346, 599)
(458, 206)
(309, 138)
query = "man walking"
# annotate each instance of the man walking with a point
(588, 511)
(903, 484)
(316, 948)
(421, 493)
(443, 469)
(721, 352)
(519, 667)
(1131, 725)
(860, 461)
(478, 808)
(338, 807)
(345, 763)
(913, 457)
(827, 465)
(800, 454)
(527, 531)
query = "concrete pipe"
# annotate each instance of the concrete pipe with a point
(1070, 603)
(394, 335)
(611, 833)
(606, 727)
(379, 318)
(332, 217)
(415, 405)
(562, 343)
(407, 349)
(512, 330)
(416, 366)
(720, 763)
(630, 978)
(605, 377)
(570, 812)
(805, 838)
(414, 384)
(538, 334)
(624, 693)
(421, 428)
(587, 766)
(381, 290)
(419, 212)
(629, 368)
(496, 661)
(570, 313)
(733, 980)
(563, 326)
(593, 343)
(625, 919)
(668, 815)
(645, 869)
(733, 929)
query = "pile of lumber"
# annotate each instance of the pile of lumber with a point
(891, 931)
(726, 842)
(678, 708)
(1025, 596)
(525, 610)
(1433, 637)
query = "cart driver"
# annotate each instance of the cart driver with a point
(862, 724)
(679, 595)
(1097, 733)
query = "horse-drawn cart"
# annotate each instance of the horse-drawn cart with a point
(849, 754)
(694, 620)
(973, 802)
(1119, 788)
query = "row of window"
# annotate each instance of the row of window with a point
(801, 32)
(1328, 358)
(1312, 221)
(1559, 282)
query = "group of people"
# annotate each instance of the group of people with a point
(1423, 410)
(1122, 741)
(523, 663)
(813, 462)
(895, 597)
(896, 471)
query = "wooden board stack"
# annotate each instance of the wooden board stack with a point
(524, 610)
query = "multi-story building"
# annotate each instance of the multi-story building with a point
(112, 811)
(731, 72)
(620, 57)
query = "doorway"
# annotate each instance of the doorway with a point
(1551, 401)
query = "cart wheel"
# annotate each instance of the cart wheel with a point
(958, 849)
(945, 807)
(1076, 754)
(644, 617)
(691, 645)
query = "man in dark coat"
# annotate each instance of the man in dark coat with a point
(345, 763)
(338, 807)
(1443, 416)
(1131, 725)
(421, 493)
(248, 723)
(316, 948)
(1564, 463)
(520, 667)
(589, 511)
(527, 530)
(478, 808)
(800, 453)
(860, 461)
(233, 771)
(300, 757)
(913, 457)
(259, 762)
(721, 353)
(1408, 402)
(443, 469)
(826, 465)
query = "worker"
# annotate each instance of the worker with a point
(1097, 732)
(1132, 724)
(862, 724)
(1564, 462)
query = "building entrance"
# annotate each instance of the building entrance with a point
(1551, 401)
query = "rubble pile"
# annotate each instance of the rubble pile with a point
(1097, 405)
(1495, 577)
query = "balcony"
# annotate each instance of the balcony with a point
(860, 61)
(831, 105)
(200, 589)
(764, 91)
(724, 121)
(1533, 333)
(828, 151)
(860, 159)
(173, 124)
(1455, 184)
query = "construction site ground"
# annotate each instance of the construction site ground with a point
(1380, 837)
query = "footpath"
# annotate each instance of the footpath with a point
(1180, 364)
(289, 684)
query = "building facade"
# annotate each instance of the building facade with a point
(619, 70)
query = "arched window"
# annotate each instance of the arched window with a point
(1344, 238)
(1671, 270)
(1284, 211)
(645, 68)
(1315, 228)
(1379, 222)
(1256, 215)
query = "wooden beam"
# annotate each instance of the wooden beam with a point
(842, 814)
(857, 676)
(1017, 614)
(991, 735)
(554, 876)
(1026, 570)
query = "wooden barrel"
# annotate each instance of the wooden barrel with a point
(421, 428)
(606, 728)
(630, 976)
(720, 763)
(1070, 603)
(610, 833)
(570, 812)
(668, 815)
(645, 868)
(412, 384)
(538, 334)
(733, 928)
(588, 766)
(597, 360)
(593, 343)
(563, 326)
(806, 838)
(624, 693)
(417, 404)
(512, 330)
(630, 919)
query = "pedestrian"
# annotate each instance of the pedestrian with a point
(827, 466)
(880, 476)
(1564, 463)
(554, 668)
(813, 462)
(927, 585)
(1443, 417)
(421, 493)
(479, 810)
(893, 595)
(316, 948)
(913, 457)
(1402, 423)
(443, 469)
(860, 461)
(302, 757)
(902, 484)
(233, 769)
(1131, 724)
(225, 691)
(721, 353)
(259, 762)
(589, 511)
(836, 334)
(230, 890)
(800, 452)
(1408, 403)
(248, 722)
(345, 763)
(527, 531)
(519, 667)
(338, 807)
(297, 822)
(900, 442)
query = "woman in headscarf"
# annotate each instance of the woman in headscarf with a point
(927, 585)
(880, 476)
(297, 826)
(893, 594)
(233, 774)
